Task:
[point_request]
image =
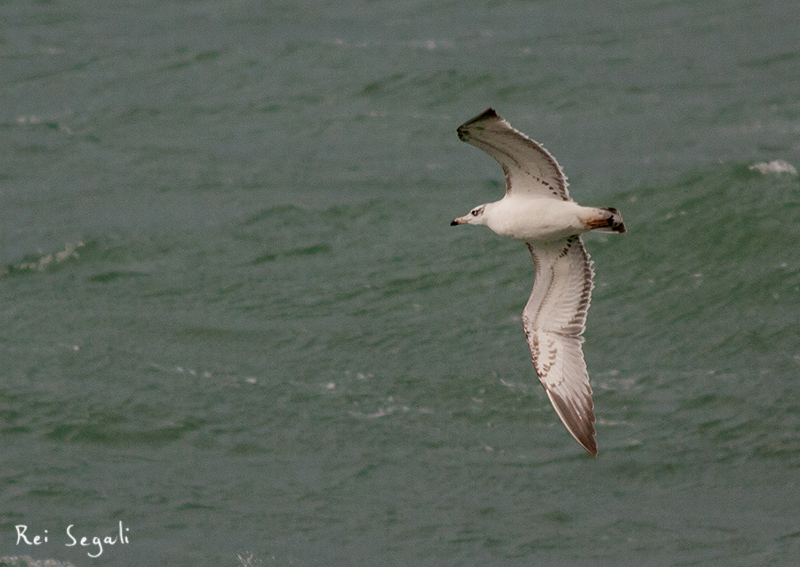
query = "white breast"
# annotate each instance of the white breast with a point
(534, 220)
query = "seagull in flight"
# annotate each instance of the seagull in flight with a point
(538, 210)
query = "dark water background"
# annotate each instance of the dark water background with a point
(233, 315)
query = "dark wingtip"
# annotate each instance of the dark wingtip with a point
(587, 442)
(578, 423)
(463, 135)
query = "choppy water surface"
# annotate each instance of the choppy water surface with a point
(234, 318)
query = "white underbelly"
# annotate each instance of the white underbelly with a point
(536, 219)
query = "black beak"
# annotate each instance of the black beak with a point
(454, 223)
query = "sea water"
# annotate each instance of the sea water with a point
(234, 318)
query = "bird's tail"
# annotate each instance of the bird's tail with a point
(606, 220)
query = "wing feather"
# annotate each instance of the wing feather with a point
(529, 168)
(554, 320)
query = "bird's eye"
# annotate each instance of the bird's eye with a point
(474, 212)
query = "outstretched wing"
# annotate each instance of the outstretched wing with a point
(554, 319)
(529, 168)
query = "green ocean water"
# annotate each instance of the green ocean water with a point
(234, 317)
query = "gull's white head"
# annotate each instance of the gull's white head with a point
(475, 216)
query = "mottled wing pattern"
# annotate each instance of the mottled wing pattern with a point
(528, 167)
(554, 319)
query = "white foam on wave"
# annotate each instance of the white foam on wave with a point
(28, 561)
(775, 166)
(44, 261)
